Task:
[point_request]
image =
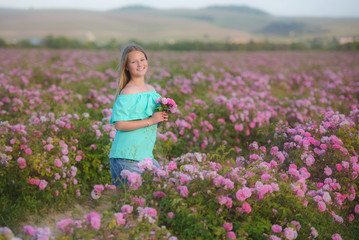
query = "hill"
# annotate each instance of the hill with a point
(213, 23)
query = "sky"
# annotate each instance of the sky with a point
(315, 8)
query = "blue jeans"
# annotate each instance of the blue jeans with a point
(117, 165)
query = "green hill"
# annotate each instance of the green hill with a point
(240, 9)
(146, 24)
(133, 8)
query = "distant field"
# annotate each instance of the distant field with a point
(235, 24)
(103, 26)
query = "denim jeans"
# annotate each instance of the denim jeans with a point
(117, 165)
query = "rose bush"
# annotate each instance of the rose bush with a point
(262, 146)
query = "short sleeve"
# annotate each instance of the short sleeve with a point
(134, 106)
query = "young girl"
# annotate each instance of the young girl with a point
(134, 115)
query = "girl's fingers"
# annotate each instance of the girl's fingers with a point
(165, 116)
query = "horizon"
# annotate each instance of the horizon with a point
(285, 8)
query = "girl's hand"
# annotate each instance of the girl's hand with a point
(165, 116)
(158, 117)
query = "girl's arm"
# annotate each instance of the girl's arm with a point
(136, 124)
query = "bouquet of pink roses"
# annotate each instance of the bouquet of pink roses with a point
(167, 105)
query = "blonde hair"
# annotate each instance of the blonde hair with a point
(125, 76)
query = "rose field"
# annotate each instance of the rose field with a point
(264, 145)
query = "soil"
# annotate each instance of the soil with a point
(76, 212)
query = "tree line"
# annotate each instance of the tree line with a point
(60, 42)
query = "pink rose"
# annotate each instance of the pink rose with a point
(37, 182)
(28, 151)
(231, 235)
(238, 127)
(63, 225)
(133, 178)
(218, 180)
(221, 200)
(22, 162)
(247, 208)
(276, 228)
(221, 120)
(275, 186)
(111, 187)
(29, 230)
(296, 225)
(146, 164)
(159, 194)
(326, 197)
(32, 181)
(164, 100)
(338, 167)
(99, 188)
(265, 177)
(127, 208)
(280, 157)
(227, 226)
(48, 147)
(183, 191)
(290, 233)
(243, 194)
(8, 149)
(95, 195)
(356, 167)
(42, 184)
(171, 101)
(94, 219)
(229, 202)
(336, 237)
(171, 166)
(314, 232)
(274, 150)
(119, 219)
(345, 164)
(150, 211)
(65, 159)
(356, 209)
(327, 171)
(321, 206)
(58, 162)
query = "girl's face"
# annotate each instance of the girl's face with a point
(136, 64)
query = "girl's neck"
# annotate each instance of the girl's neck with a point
(137, 81)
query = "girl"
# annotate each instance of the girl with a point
(133, 115)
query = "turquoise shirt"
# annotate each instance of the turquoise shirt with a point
(137, 144)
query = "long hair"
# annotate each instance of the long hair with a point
(125, 76)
